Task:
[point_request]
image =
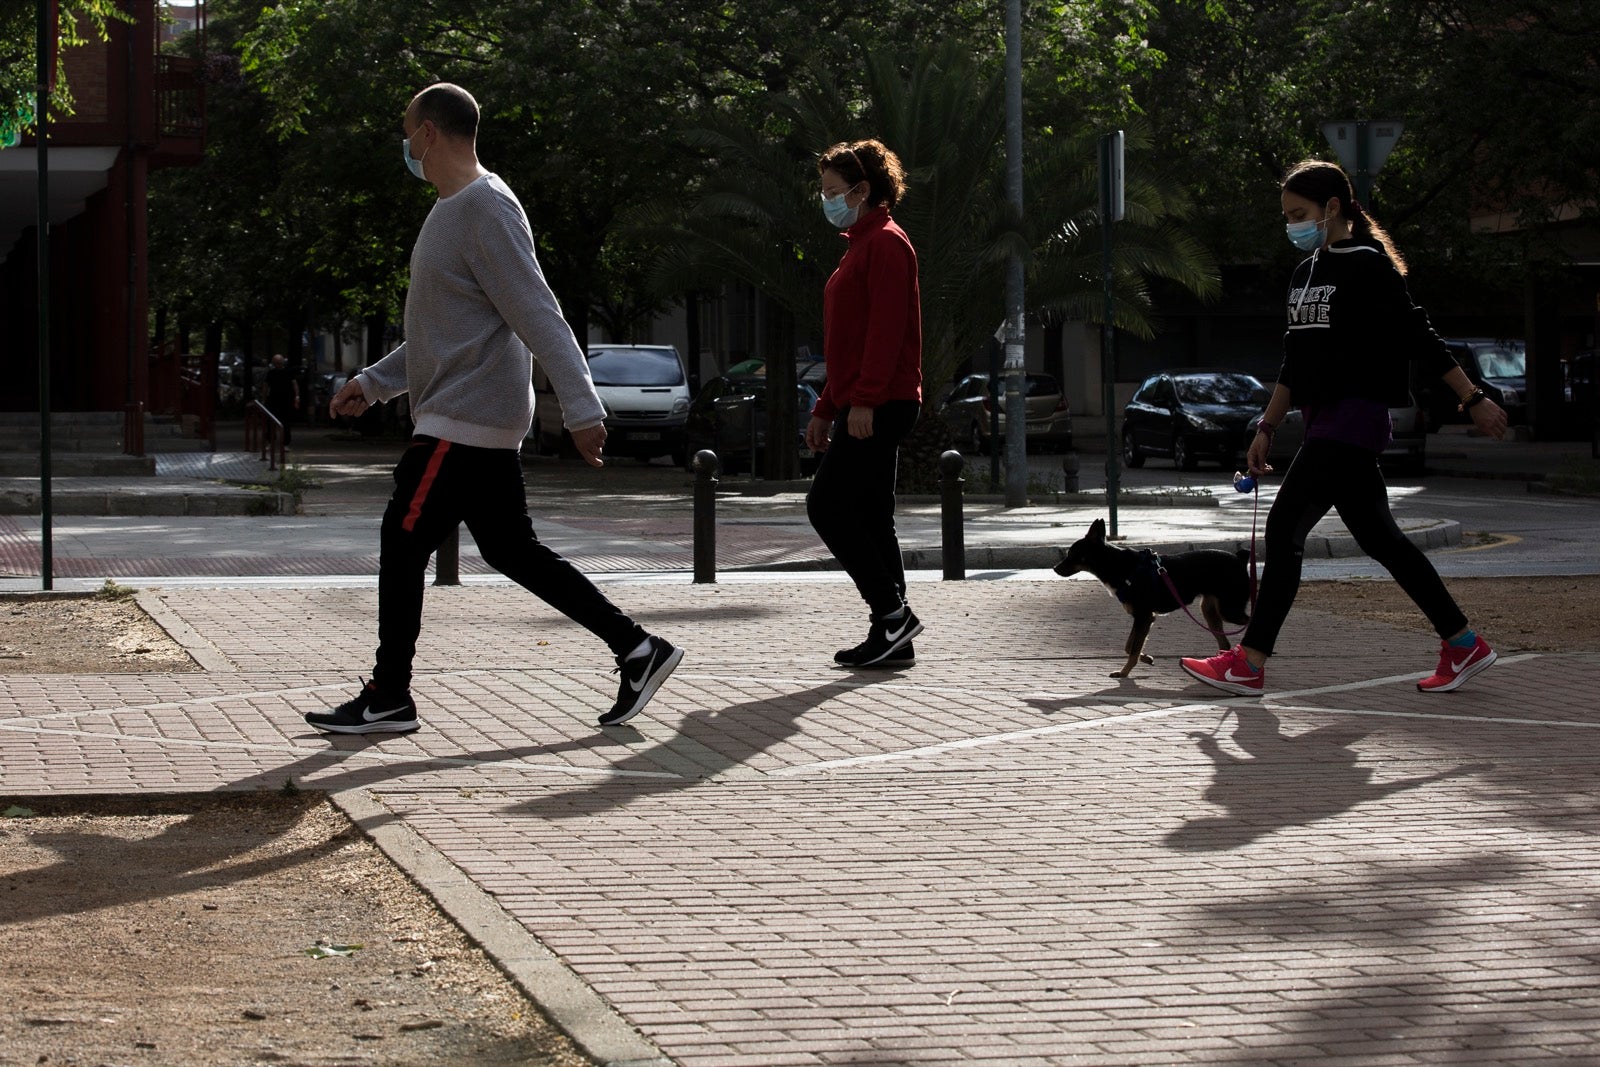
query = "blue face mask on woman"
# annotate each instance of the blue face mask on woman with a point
(838, 213)
(1307, 235)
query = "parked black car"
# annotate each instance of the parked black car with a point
(720, 419)
(1187, 414)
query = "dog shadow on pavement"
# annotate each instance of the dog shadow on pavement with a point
(708, 745)
(1285, 781)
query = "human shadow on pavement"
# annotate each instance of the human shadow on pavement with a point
(366, 773)
(708, 743)
(200, 857)
(1286, 781)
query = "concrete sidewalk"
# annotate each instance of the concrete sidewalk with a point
(1001, 856)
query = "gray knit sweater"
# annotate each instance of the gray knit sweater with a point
(478, 303)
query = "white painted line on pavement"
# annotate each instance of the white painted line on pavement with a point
(991, 739)
(369, 754)
(1273, 700)
(218, 698)
(1498, 720)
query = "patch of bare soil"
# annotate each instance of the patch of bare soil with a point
(175, 931)
(1549, 614)
(65, 633)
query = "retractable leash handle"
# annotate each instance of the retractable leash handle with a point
(1245, 483)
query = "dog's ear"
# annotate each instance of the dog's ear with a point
(1097, 530)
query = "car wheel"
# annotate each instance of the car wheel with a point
(1182, 458)
(1131, 456)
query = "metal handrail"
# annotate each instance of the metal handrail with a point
(257, 419)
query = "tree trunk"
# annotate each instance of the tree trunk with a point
(919, 455)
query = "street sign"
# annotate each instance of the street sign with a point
(1363, 145)
(1379, 134)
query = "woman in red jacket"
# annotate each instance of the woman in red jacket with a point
(872, 341)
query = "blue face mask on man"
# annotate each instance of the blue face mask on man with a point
(413, 164)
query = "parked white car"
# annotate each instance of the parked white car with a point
(645, 389)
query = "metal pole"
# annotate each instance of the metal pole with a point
(705, 517)
(1108, 351)
(1363, 180)
(1016, 410)
(41, 143)
(950, 518)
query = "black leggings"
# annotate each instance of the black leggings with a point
(851, 503)
(437, 485)
(1324, 475)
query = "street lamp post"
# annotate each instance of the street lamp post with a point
(1016, 411)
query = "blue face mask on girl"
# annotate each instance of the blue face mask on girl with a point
(1307, 235)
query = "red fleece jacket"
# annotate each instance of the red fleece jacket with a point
(872, 320)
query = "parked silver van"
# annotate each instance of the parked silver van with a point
(645, 390)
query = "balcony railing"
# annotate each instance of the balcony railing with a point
(180, 101)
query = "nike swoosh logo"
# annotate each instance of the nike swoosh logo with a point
(639, 685)
(904, 624)
(366, 713)
(1229, 676)
(1455, 668)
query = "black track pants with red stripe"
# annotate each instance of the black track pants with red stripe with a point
(439, 484)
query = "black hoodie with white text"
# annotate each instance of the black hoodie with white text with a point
(1353, 329)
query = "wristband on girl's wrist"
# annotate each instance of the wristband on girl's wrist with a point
(1474, 397)
(1267, 428)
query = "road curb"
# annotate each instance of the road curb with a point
(565, 999)
(1426, 534)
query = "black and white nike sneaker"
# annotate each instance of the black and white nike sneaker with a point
(641, 677)
(885, 643)
(371, 711)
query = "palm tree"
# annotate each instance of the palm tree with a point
(755, 216)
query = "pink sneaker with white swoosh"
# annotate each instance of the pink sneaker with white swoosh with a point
(1456, 665)
(1228, 671)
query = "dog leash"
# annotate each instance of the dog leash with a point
(1255, 515)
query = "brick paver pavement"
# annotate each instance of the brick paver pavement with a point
(1003, 856)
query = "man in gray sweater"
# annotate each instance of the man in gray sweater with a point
(477, 313)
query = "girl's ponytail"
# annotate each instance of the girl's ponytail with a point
(1320, 181)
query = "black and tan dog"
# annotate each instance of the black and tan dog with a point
(1219, 578)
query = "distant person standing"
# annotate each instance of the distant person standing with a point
(283, 394)
(1353, 333)
(872, 343)
(477, 305)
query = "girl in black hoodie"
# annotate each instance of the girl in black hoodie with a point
(1353, 331)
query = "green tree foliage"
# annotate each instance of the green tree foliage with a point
(1497, 96)
(78, 23)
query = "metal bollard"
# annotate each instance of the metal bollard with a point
(705, 516)
(955, 547)
(447, 559)
(1069, 473)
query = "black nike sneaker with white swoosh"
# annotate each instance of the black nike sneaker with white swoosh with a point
(641, 677)
(371, 711)
(884, 644)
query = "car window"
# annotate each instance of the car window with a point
(635, 366)
(1160, 393)
(1042, 385)
(1502, 360)
(1222, 389)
